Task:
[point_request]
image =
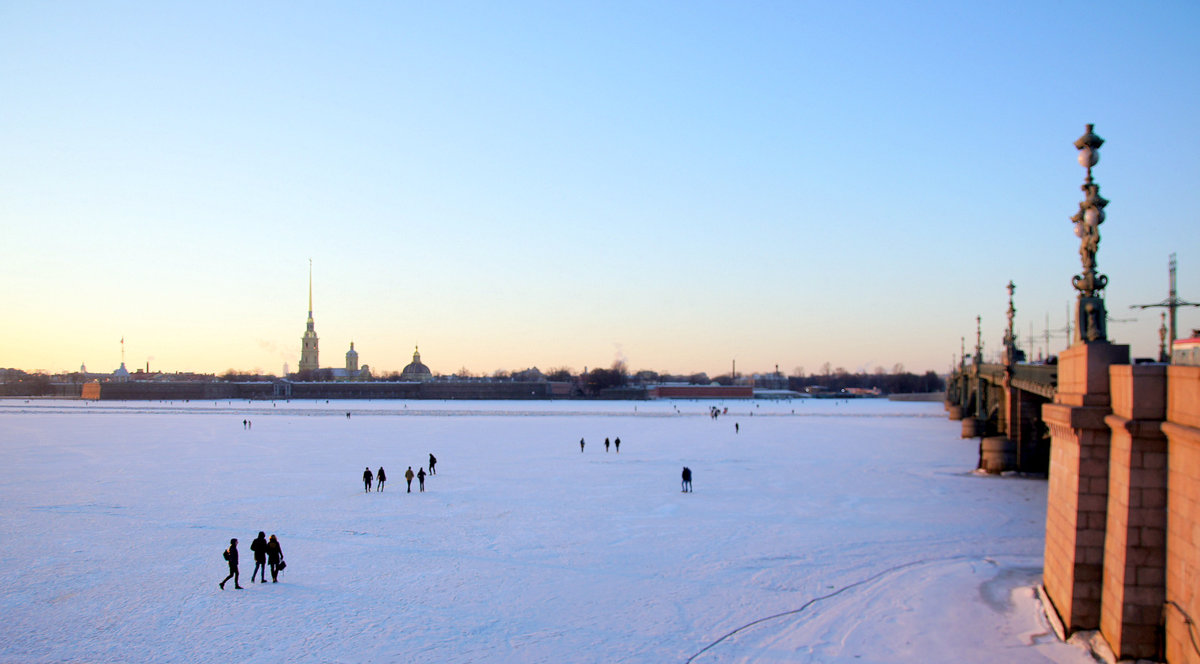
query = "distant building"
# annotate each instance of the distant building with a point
(352, 370)
(308, 342)
(1186, 352)
(416, 371)
(770, 381)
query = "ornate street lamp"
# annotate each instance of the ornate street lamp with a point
(1010, 335)
(1090, 314)
(1163, 356)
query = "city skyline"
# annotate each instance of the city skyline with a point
(676, 186)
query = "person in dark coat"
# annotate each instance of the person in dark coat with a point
(259, 547)
(408, 475)
(231, 554)
(380, 478)
(606, 444)
(581, 445)
(367, 480)
(432, 464)
(687, 479)
(274, 557)
(617, 444)
(421, 478)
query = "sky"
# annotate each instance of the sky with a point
(508, 185)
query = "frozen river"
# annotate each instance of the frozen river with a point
(820, 531)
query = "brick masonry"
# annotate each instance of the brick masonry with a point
(1077, 501)
(1135, 535)
(1182, 429)
(1123, 513)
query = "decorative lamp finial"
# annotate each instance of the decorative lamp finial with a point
(1162, 338)
(1010, 336)
(978, 340)
(1090, 314)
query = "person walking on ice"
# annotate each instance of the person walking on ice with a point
(421, 479)
(408, 475)
(259, 547)
(606, 444)
(231, 555)
(687, 479)
(617, 444)
(432, 463)
(580, 445)
(380, 478)
(367, 479)
(274, 558)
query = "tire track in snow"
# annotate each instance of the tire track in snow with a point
(870, 579)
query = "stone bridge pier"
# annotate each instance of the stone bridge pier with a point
(1002, 406)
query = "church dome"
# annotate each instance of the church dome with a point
(416, 370)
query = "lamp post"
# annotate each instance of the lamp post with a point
(980, 410)
(1010, 336)
(1089, 313)
(1162, 339)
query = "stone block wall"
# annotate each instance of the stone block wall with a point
(1062, 515)
(1077, 504)
(1135, 535)
(1181, 614)
(1123, 519)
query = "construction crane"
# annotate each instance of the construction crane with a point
(1170, 304)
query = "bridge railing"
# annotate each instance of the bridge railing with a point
(1041, 379)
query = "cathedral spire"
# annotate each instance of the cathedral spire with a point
(309, 342)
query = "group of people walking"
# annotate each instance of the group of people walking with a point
(381, 477)
(607, 443)
(687, 472)
(267, 553)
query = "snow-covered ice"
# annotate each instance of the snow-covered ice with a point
(840, 532)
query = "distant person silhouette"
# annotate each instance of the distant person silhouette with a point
(259, 547)
(421, 479)
(617, 444)
(736, 428)
(367, 480)
(408, 475)
(432, 463)
(274, 558)
(231, 554)
(581, 445)
(687, 479)
(606, 444)
(380, 478)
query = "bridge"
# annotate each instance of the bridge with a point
(1001, 404)
(1120, 446)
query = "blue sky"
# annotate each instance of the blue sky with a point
(562, 184)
